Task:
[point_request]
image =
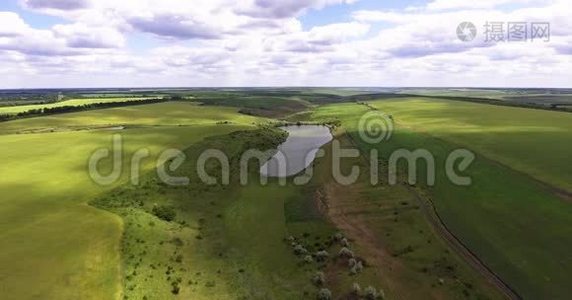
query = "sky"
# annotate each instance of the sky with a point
(210, 43)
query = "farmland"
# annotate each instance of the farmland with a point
(66, 237)
(12, 110)
(45, 191)
(516, 224)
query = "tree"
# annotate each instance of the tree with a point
(324, 294)
(164, 212)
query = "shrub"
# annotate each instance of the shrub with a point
(352, 262)
(299, 249)
(175, 290)
(371, 293)
(357, 268)
(319, 279)
(345, 252)
(324, 294)
(322, 255)
(338, 236)
(356, 289)
(164, 212)
(344, 242)
(308, 259)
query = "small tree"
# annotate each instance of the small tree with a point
(322, 255)
(357, 268)
(356, 289)
(299, 249)
(319, 279)
(324, 294)
(352, 262)
(345, 252)
(371, 293)
(164, 212)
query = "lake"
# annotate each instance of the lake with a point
(298, 151)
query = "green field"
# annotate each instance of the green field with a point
(52, 241)
(12, 110)
(514, 224)
(535, 142)
(65, 237)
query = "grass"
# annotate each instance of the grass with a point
(229, 241)
(55, 246)
(225, 251)
(12, 110)
(517, 227)
(531, 141)
(161, 114)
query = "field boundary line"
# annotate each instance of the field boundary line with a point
(453, 241)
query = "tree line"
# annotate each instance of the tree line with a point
(75, 108)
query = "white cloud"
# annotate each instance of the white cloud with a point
(81, 36)
(263, 42)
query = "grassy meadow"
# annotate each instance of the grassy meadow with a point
(65, 237)
(12, 110)
(54, 245)
(535, 142)
(515, 225)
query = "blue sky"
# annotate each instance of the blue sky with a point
(106, 43)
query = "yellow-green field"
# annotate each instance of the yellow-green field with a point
(536, 142)
(54, 246)
(517, 226)
(12, 110)
(65, 237)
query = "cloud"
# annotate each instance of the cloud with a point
(284, 8)
(439, 5)
(57, 4)
(81, 36)
(318, 39)
(11, 24)
(175, 26)
(263, 42)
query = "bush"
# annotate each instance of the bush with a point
(319, 279)
(371, 293)
(299, 249)
(357, 268)
(345, 252)
(164, 212)
(352, 262)
(308, 259)
(175, 290)
(356, 289)
(324, 294)
(322, 255)
(338, 236)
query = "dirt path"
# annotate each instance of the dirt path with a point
(457, 245)
(365, 237)
(344, 218)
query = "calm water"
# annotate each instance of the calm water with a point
(298, 151)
